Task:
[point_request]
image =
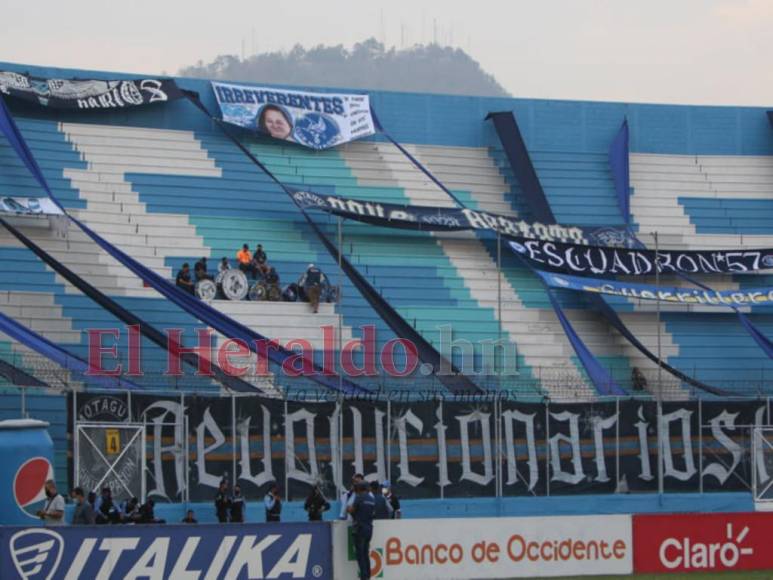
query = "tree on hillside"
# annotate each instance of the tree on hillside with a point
(368, 65)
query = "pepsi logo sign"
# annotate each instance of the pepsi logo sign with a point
(30, 481)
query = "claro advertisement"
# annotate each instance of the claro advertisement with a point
(492, 548)
(703, 542)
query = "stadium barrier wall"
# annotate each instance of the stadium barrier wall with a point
(491, 548)
(177, 551)
(401, 549)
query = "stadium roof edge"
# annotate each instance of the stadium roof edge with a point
(185, 82)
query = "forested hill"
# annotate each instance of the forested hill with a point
(368, 65)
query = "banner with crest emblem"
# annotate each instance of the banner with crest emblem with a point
(314, 120)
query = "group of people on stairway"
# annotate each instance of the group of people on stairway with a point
(255, 265)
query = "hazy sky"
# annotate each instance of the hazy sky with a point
(683, 51)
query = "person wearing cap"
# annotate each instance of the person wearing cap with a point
(312, 286)
(362, 510)
(392, 500)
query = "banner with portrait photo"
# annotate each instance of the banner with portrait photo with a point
(87, 94)
(314, 120)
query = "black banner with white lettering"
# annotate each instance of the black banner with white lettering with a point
(595, 260)
(582, 448)
(88, 94)
(432, 449)
(638, 447)
(470, 449)
(552, 247)
(413, 217)
(415, 464)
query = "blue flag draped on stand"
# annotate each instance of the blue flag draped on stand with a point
(620, 167)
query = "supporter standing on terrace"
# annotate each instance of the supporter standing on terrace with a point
(244, 257)
(237, 505)
(363, 511)
(260, 259)
(393, 500)
(53, 512)
(84, 513)
(347, 497)
(383, 510)
(273, 503)
(222, 502)
(316, 505)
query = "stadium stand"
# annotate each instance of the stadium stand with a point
(168, 187)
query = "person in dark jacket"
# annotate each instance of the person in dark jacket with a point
(383, 510)
(311, 282)
(273, 503)
(260, 260)
(84, 513)
(200, 270)
(105, 509)
(130, 511)
(237, 505)
(393, 500)
(147, 514)
(190, 518)
(638, 380)
(362, 511)
(222, 503)
(316, 505)
(183, 279)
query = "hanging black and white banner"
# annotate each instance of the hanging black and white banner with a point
(414, 217)
(553, 247)
(87, 94)
(434, 449)
(594, 260)
(315, 120)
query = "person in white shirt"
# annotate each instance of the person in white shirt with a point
(348, 497)
(53, 511)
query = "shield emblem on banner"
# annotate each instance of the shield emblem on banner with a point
(36, 553)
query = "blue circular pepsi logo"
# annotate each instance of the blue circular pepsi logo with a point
(767, 260)
(317, 131)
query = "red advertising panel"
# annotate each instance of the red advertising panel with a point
(702, 542)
